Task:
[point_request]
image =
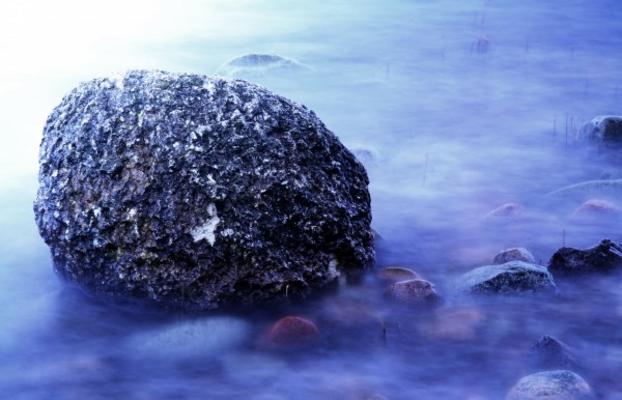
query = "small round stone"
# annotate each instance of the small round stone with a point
(293, 330)
(413, 291)
(596, 208)
(397, 274)
(507, 210)
(514, 254)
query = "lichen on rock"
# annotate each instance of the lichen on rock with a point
(197, 192)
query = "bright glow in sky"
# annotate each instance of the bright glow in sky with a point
(49, 46)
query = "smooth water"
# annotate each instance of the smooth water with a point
(459, 106)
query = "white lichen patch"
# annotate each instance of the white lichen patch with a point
(207, 231)
(333, 272)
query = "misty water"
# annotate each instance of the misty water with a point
(455, 108)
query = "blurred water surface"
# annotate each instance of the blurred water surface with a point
(455, 107)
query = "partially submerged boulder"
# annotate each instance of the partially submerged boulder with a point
(413, 291)
(551, 385)
(604, 257)
(514, 254)
(509, 278)
(594, 209)
(551, 352)
(197, 192)
(604, 129)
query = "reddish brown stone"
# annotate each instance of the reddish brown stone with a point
(397, 274)
(293, 330)
(414, 291)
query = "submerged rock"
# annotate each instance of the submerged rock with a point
(347, 313)
(293, 330)
(259, 64)
(413, 291)
(514, 254)
(551, 385)
(605, 129)
(604, 257)
(507, 210)
(198, 192)
(595, 209)
(552, 352)
(397, 274)
(508, 278)
(455, 324)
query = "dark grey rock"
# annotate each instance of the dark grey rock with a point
(551, 352)
(511, 277)
(604, 129)
(551, 385)
(197, 192)
(514, 254)
(604, 257)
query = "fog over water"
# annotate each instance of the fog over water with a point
(455, 107)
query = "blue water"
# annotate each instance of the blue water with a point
(463, 106)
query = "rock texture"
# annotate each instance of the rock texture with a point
(604, 257)
(551, 385)
(508, 278)
(197, 192)
(604, 129)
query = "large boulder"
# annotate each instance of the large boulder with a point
(605, 129)
(604, 257)
(510, 278)
(197, 192)
(551, 385)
